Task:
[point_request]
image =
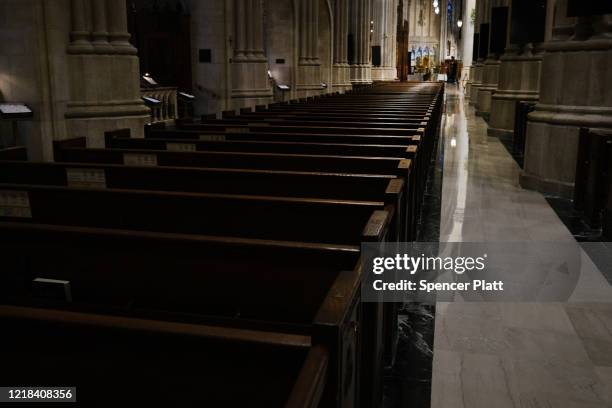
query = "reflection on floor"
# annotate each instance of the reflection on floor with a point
(528, 355)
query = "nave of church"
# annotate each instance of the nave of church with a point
(306, 203)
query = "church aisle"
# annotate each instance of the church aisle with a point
(512, 354)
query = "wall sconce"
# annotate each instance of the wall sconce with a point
(437, 10)
(459, 23)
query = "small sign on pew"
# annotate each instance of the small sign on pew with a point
(140, 159)
(15, 204)
(83, 177)
(237, 130)
(258, 124)
(181, 147)
(212, 138)
(52, 289)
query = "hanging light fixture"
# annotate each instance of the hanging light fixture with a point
(437, 10)
(435, 3)
(459, 23)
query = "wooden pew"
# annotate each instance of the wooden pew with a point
(294, 162)
(421, 160)
(388, 189)
(261, 135)
(407, 151)
(297, 288)
(145, 362)
(417, 175)
(274, 218)
(310, 121)
(14, 153)
(194, 294)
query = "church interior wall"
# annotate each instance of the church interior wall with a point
(208, 32)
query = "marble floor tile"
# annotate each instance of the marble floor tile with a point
(527, 355)
(594, 326)
(605, 376)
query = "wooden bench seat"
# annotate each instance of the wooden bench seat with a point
(144, 362)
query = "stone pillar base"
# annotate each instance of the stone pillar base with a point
(490, 79)
(476, 82)
(105, 95)
(468, 89)
(361, 74)
(551, 147)
(308, 80)
(250, 84)
(384, 73)
(546, 186)
(503, 108)
(341, 77)
(483, 102)
(94, 127)
(474, 92)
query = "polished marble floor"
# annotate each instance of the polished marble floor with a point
(531, 355)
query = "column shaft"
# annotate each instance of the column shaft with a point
(249, 19)
(258, 30)
(314, 38)
(100, 31)
(239, 29)
(118, 35)
(303, 31)
(79, 34)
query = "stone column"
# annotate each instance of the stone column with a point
(309, 66)
(467, 42)
(384, 15)
(519, 72)
(361, 70)
(341, 73)
(390, 56)
(482, 29)
(250, 84)
(118, 34)
(104, 76)
(79, 34)
(574, 93)
(99, 35)
(490, 75)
